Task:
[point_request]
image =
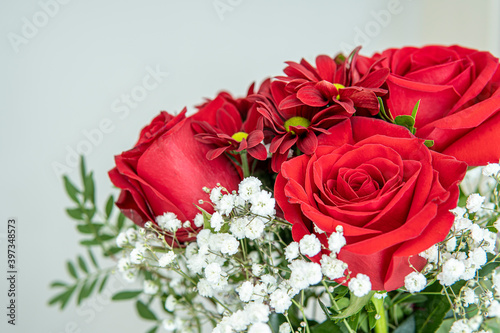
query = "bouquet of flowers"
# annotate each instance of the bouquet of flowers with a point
(355, 194)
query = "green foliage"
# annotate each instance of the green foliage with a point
(327, 326)
(154, 329)
(385, 115)
(98, 227)
(355, 305)
(429, 317)
(83, 284)
(124, 295)
(407, 121)
(407, 326)
(99, 230)
(144, 311)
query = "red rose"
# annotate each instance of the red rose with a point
(388, 191)
(459, 89)
(166, 172)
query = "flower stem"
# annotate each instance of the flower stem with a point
(244, 164)
(381, 323)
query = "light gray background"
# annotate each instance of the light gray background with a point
(70, 74)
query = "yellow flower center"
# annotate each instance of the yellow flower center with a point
(239, 136)
(296, 121)
(338, 86)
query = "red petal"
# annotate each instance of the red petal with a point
(311, 96)
(259, 152)
(308, 144)
(326, 67)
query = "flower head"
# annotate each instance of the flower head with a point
(231, 125)
(309, 100)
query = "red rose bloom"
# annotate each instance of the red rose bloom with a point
(309, 100)
(388, 191)
(459, 89)
(166, 172)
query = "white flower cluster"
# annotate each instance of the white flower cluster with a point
(220, 255)
(466, 248)
(242, 269)
(469, 246)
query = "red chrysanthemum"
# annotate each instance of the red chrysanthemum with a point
(230, 124)
(310, 100)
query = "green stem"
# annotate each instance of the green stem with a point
(381, 323)
(244, 164)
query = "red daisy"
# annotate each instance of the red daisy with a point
(230, 124)
(308, 101)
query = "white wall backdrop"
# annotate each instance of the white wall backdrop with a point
(68, 66)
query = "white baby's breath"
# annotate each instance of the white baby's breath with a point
(474, 202)
(360, 285)
(249, 187)
(166, 259)
(310, 245)
(336, 241)
(415, 282)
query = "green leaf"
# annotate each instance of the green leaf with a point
(343, 303)
(372, 313)
(490, 267)
(75, 213)
(82, 264)
(112, 250)
(429, 143)
(384, 115)
(109, 206)
(92, 258)
(92, 286)
(353, 321)
(325, 309)
(71, 189)
(415, 110)
(89, 242)
(89, 188)
(327, 326)
(429, 317)
(355, 305)
(83, 294)
(67, 296)
(106, 237)
(63, 297)
(120, 221)
(144, 311)
(407, 326)
(90, 212)
(58, 298)
(275, 321)
(446, 326)
(128, 294)
(406, 121)
(84, 229)
(206, 219)
(57, 284)
(413, 299)
(153, 329)
(83, 171)
(103, 284)
(90, 228)
(71, 269)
